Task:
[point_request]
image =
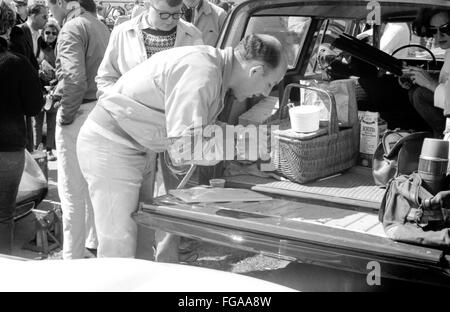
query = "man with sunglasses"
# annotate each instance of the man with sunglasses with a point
(429, 98)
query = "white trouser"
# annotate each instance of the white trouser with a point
(114, 171)
(78, 219)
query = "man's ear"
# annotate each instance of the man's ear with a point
(257, 69)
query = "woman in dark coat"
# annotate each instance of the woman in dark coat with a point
(21, 96)
(46, 58)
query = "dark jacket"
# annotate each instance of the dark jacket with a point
(22, 42)
(21, 96)
(48, 51)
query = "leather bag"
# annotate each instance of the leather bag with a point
(411, 214)
(398, 153)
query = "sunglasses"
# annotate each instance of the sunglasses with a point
(50, 32)
(165, 15)
(443, 29)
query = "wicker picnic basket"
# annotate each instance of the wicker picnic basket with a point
(304, 158)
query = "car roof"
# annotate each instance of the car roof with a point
(352, 9)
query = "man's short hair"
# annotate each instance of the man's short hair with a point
(21, 2)
(35, 9)
(7, 16)
(88, 5)
(253, 47)
(171, 3)
(54, 1)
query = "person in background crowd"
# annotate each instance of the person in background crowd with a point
(119, 15)
(101, 14)
(22, 11)
(138, 8)
(225, 6)
(159, 28)
(80, 48)
(63, 10)
(429, 97)
(21, 96)
(207, 17)
(128, 7)
(24, 37)
(24, 40)
(151, 105)
(46, 60)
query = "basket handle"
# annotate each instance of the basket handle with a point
(333, 126)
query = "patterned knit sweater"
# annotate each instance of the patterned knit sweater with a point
(158, 40)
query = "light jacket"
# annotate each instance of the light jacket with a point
(442, 92)
(159, 100)
(126, 49)
(210, 19)
(79, 51)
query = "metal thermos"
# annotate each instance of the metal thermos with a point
(433, 164)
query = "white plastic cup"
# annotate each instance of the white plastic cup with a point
(305, 118)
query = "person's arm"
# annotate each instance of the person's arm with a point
(108, 71)
(71, 73)
(189, 104)
(441, 97)
(442, 91)
(421, 78)
(30, 89)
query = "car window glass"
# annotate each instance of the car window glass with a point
(329, 30)
(290, 30)
(399, 34)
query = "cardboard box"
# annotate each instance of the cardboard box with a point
(372, 129)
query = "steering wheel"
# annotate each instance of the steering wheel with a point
(416, 46)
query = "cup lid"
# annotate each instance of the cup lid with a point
(434, 149)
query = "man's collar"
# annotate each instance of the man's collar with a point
(204, 8)
(143, 22)
(75, 11)
(199, 5)
(28, 22)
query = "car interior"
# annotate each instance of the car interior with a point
(306, 28)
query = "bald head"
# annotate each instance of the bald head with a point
(264, 48)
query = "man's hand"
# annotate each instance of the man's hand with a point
(421, 78)
(405, 82)
(441, 199)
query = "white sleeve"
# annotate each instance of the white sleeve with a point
(440, 95)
